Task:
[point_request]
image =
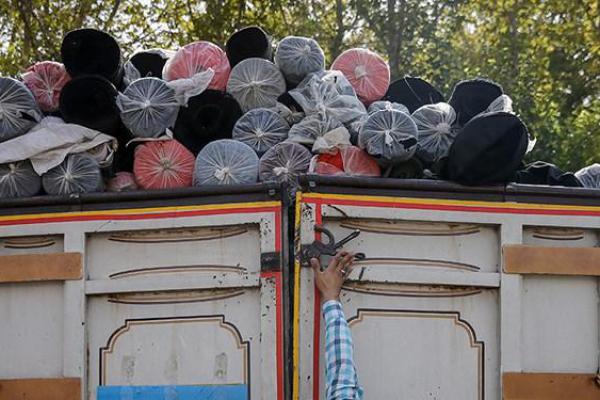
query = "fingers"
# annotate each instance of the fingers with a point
(315, 264)
(345, 261)
(335, 261)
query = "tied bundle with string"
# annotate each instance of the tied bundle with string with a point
(256, 83)
(321, 133)
(163, 164)
(78, 173)
(261, 129)
(299, 56)
(45, 80)
(226, 162)
(284, 162)
(435, 130)
(19, 179)
(589, 176)
(389, 135)
(346, 161)
(19, 111)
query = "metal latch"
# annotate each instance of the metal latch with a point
(330, 248)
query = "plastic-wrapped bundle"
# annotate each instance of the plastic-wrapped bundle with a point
(368, 73)
(389, 135)
(387, 105)
(249, 42)
(209, 116)
(149, 63)
(543, 173)
(413, 93)
(226, 162)
(163, 164)
(122, 182)
(299, 56)
(19, 180)
(256, 83)
(472, 97)
(322, 133)
(148, 107)
(197, 57)
(284, 162)
(78, 173)
(329, 94)
(18, 110)
(589, 176)
(436, 134)
(45, 80)
(90, 101)
(349, 160)
(90, 51)
(261, 129)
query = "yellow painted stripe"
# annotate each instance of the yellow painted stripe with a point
(151, 210)
(296, 321)
(446, 202)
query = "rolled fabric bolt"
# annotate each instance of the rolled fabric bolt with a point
(256, 83)
(150, 63)
(389, 135)
(472, 97)
(367, 71)
(148, 107)
(45, 80)
(78, 173)
(589, 176)
(261, 129)
(321, 133)
(90, 101)
(19, 111)
(249, 42)
(413, 93)
(299, 56)
(122, 182)
(197, 57)
(349, 160)
(387, 105)
(284, 162)
(18, 179)
(163, 164)
(208, 117)
(436, 132)
(226, 162)
(91, 51)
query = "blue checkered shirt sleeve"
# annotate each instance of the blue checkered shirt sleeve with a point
(342, 382)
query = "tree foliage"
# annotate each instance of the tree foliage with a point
(546, 54)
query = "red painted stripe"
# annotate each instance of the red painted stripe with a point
(317, 320)
(445, 207)
(131, 217)
(278, 228)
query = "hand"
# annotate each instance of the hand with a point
(330, 281)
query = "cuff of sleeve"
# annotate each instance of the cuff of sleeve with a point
(332, 309)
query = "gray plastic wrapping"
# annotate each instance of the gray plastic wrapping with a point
(292, 117)
(436, 134)
(389, 135)
(256, 83)
(331, 95)
(78, 173)
(261, 129)
(589, 176)
(226, 162)
(299, 56)
(19, 111)
(323, 134)
(284, 162)
(18, 179)
(387, 105)
(148, 107)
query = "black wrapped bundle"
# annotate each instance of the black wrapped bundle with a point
(90, 101)
(472, 97)
(149, 63)
(543, 173)
(209, 116)
(90, 51)
(413, 93)
(248, 42)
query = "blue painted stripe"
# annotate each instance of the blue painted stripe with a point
(209, 392)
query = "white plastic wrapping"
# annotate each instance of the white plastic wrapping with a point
(261, 129)
(387, 105)
(329, 95)
(78, 173)
(19, 180)
(501, 103)
(589, 176)
(389, 135)
(226, 162)
(292, 117)
(148, 107)
(298, 56)
(436, 132)
(256, 83)
(322, 133)
(284, 162)
(19, 111)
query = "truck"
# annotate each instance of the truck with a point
(464, 293)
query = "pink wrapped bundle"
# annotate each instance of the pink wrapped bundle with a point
(349, 160)
(368, 73)
(123, 181)
(164, 164)
(45, 80)
(197, 57)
